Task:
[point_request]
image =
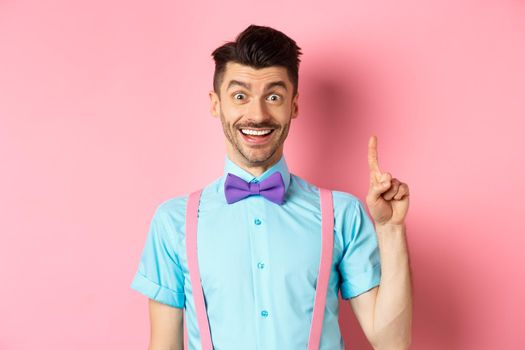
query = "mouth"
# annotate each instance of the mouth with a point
(256, 136)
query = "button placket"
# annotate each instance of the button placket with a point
(259, 225)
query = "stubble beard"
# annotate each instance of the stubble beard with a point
(251, 154)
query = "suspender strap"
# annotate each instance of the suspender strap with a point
(192, 210)
(327, 242)
(327, 229)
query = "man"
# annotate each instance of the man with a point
(258, 256)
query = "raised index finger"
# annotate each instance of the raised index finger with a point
(373, 164)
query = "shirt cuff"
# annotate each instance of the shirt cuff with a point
(157, 292)
(361, 283)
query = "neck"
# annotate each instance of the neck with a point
(256, 169)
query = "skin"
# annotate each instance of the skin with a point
(166, 327)
(384, 312)
(256, 108)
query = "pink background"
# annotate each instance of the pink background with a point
(104, 113)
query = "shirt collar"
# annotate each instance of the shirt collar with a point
(280, 166)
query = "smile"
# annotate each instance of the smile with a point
(256, 136)
(255, 132)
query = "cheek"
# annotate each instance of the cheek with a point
(232, 115)
(283, 115)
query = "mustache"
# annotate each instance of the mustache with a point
(259, 126)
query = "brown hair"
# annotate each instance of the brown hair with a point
(258, 47)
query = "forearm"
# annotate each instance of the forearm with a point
(393, 307)
(167, 327)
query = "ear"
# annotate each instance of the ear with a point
(295, 106)
(215, 105)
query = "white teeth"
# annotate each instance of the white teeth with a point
(255, 132)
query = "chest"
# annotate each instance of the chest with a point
(239, 247)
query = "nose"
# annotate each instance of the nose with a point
(257, 111)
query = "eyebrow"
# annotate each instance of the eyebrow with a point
(248, 86)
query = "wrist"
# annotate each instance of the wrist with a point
(388, 227)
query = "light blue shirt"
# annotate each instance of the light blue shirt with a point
(259, 262)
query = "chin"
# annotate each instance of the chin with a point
(262, 158)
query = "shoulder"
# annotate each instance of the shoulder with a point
(170, 214)
(344, 202)
(173, 205)
(172, 210)
(298, 184)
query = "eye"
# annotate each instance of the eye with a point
(278, 97)
(238, 94)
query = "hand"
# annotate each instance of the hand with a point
(387, 198)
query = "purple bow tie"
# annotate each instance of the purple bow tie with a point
(271, 188)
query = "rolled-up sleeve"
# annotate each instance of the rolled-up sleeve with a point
(159, 275)
(360, 265)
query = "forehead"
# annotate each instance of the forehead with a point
(254, 77)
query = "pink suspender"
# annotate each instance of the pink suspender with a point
(192, 210)
(327, 227)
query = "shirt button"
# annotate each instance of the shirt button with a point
(264, 313)
(260, 265)
(257, 221)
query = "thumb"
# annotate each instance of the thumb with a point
(380, 185)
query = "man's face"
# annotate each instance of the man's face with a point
(255, 101)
